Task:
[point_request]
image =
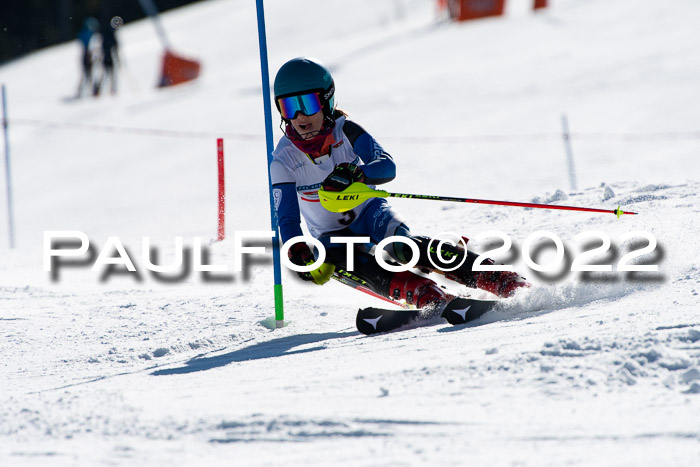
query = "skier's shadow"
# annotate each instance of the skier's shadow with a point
(280, 347)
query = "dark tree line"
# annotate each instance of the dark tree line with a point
(27, 25)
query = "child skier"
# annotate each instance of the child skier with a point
(323, 149)
(89, 40)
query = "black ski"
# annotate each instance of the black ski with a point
(459, 310)
(462, 310)
(374, 320)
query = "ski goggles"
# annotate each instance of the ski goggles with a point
(308, 104)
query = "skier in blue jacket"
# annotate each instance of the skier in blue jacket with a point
(323, 149)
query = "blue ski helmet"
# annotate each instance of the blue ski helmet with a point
(304, 75)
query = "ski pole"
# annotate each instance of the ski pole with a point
(348, 278)
(358, 193)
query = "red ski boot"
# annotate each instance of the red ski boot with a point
(501, 283)
(416, 290)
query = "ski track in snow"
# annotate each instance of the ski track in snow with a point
(599, 368)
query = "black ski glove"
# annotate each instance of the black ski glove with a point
(301, 255)
(343, 175)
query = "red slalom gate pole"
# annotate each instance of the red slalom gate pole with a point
(539, 4)
(222, 189)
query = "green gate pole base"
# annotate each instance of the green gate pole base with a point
(271, 323)
(277, 321)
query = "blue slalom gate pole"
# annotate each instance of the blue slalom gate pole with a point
(8, 172)
(279, 305)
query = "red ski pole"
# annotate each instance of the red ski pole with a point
(357, 193)
(618, 212)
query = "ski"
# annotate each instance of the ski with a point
(462, 310)
(359, 284)
(459, 310)
(375, 320)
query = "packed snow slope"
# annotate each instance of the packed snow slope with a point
(109, 367)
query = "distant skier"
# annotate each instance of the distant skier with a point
(110, 57)
(89, 41)
(322, 148)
